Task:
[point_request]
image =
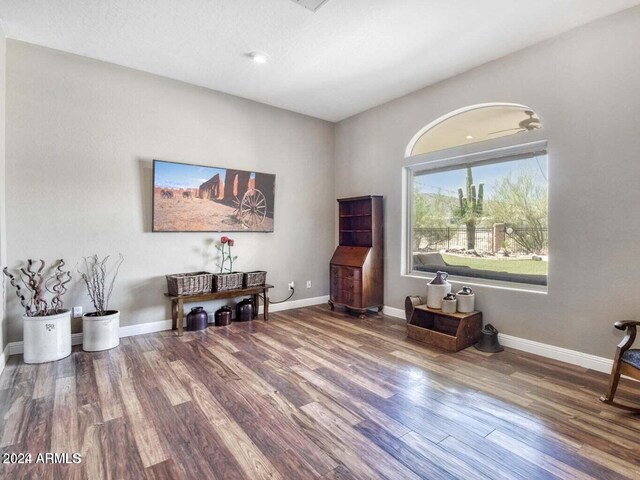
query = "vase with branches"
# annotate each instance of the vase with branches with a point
(38, 281)
(46, 324)
(101, 327)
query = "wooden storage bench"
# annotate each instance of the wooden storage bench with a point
(449, 331)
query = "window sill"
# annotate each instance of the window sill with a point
(483, 282)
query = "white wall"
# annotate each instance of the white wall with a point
(3, 223)
(81, 136)
(585, 87)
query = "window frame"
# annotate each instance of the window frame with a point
(457, 158)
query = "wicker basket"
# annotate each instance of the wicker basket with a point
(227, 281)
(253, 279)
(189, 283)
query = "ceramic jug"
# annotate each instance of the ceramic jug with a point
(449, 303)
(466, 300)
(437, 289)
(244, 310)
(223, 316)
(197, 319)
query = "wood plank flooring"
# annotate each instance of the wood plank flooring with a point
(312, 394)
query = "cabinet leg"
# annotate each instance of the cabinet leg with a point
(380, 307)
(362, 314)
(331, 305)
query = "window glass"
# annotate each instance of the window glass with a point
(487, 220)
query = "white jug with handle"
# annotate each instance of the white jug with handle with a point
(466, 300)
(437, 289)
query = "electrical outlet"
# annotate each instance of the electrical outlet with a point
(292, 285)
(308, 283)
(77, 312)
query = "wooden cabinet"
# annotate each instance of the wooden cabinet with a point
(356, 268)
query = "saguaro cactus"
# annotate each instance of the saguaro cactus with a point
(471, 208)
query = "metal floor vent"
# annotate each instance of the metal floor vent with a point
(312, 5)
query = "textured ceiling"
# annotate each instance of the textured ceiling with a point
(345, 58)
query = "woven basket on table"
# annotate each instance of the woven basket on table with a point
(227, 281)
(253, 279)
(189, 283)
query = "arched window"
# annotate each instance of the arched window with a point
(477, 200)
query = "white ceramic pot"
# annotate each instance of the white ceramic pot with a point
(449, 306)
(101, 333)
(46, 339)
(435, 294)
(466, 303)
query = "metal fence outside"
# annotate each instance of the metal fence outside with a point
(516, 240)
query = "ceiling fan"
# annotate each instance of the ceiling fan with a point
(525, 125)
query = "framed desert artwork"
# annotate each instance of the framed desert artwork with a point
(198, 198)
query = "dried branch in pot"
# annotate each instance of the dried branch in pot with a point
(14, 283)
(59, 288)
(96, 273)
(34, 297)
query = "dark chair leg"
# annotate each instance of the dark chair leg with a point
(613, 384)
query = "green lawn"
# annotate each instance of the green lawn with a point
(530, 267)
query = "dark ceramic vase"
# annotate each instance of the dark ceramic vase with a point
(197, 319)
(223, 316)
(244, 310)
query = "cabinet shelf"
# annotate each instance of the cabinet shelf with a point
(356, 215)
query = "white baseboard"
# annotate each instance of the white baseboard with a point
(305, 302)
(572, 357)
(394, 312)
(15, 348)
(144, 328)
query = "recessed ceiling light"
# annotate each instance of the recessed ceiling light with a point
(469, 137)
(258, 57)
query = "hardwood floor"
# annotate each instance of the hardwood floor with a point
(312, 394)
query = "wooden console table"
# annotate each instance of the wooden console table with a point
(178, 301)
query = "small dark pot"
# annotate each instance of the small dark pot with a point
(244, 310)
(197, 319)
(223, 316)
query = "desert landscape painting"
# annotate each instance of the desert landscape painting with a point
(197, 198)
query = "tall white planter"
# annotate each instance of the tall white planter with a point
(46, 339)
(101, 333)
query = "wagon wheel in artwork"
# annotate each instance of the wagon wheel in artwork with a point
(252, 209)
